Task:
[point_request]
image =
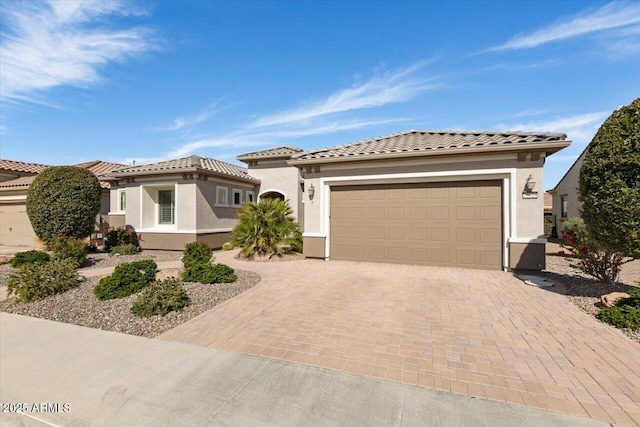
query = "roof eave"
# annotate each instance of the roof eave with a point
(548, 148)
(123, 175)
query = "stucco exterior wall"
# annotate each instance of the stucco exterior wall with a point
(209, 215)
(277, 175)
(568, 187)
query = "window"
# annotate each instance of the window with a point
(563, 207)
(237, 197)
(122, 200)
(166, 207)
(221, 196)
(250, 196)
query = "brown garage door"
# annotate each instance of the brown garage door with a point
(446, 224)
(15, 228)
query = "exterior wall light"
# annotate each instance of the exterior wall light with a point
(531, 184)
(311, 191)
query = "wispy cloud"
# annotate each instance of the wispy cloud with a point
(563, 158)
(383, 88)
(579, 128)
(331, 115)
(611, 16)
(54, 43)
(186, 122)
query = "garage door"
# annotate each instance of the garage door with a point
(444, 224)
(15, 228)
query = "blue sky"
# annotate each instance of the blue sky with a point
(145, 81)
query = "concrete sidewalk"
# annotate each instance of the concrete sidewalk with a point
(108, 378)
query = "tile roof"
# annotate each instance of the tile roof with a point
(422, 141)
(24, 167)
(276, 152)
(99, 167)
(185, 164)
(23, 181)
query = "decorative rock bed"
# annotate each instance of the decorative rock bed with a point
(79, 306)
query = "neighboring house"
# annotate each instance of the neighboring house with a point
(171, 203)
(565, 195)
(548, 203)
(15, 178)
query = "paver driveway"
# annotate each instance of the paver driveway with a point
(474, 332)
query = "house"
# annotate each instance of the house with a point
(565, 194)
(446, 198)
(15, 178)
(174, 202)
(443, 198)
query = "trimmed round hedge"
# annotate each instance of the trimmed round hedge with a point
(63, 201)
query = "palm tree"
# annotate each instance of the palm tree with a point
(266, 228)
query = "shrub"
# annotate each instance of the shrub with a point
(266, 228)
(127, 279)
(621, 315)
(610, 182)
(227, 246)
(29, 257)
(589, 257)
(196, 253)
(209, 273)
(68, 248)
(63, 201)
(36, 281)
(160, 298)
(124, 249)
(116, 237)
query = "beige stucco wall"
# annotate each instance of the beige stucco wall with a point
(277, 175)
(568, 186)
(209, 216)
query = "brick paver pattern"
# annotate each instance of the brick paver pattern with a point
(479, 333)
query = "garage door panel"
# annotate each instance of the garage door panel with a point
(448, 224)
(15, 227)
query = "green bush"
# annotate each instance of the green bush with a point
(127, 279)
(587, 253)
(29, 257)
(227, 246)
(196, 253)
(621, 316)
(266, 228)
(116, 237)
(610, 182)
(209, 273)
(68, 248)
(125, 249)
(63, 201)
(160, 298)
(36, 281)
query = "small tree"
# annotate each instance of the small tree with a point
(63, 201)
(610, 183)
(266, 228)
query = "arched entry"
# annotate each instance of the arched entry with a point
(272, 194)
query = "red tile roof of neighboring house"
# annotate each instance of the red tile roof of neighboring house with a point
(548, 202)
(99, 167)
(23, 181)
(22, 167)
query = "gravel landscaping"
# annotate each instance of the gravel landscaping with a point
(293, 256)
(102, 260)
(583, 291)
(79, 306)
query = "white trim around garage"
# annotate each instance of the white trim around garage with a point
(506, 175)
(13, 198)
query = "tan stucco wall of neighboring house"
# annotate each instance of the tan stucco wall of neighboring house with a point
(15, 227)
(523, 218)
(277, 175)
(568, 188)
